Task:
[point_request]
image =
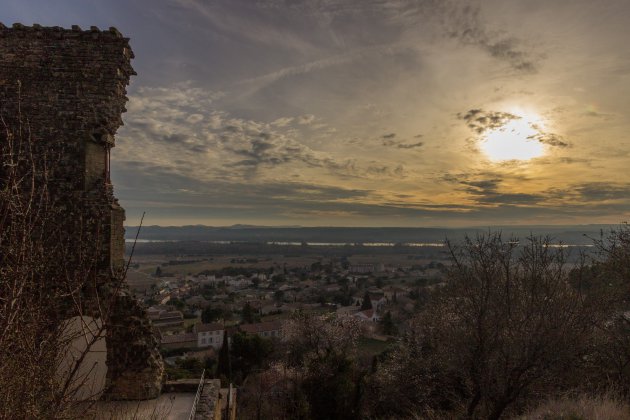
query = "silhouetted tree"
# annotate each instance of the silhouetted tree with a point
(389, 327)
(607, 280)
(224, 367)
(248, 313)
(278, 295)
(507, 323)
(249, 352)
(320, 352)
(515, 320)
(211, 314)
(367, 302)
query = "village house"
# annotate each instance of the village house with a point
(272, 308)
(197, 301)
(239, 282)
(209, 335)
(392, 292)
(165, 319)
(367, 268)
(377, 297)
(269, 329)
(367, 315)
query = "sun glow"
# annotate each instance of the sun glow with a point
(515, 140)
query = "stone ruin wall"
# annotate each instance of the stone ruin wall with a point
(68, 87)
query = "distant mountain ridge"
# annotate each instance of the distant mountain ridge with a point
(569, 234)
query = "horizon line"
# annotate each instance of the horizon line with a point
(248, 226)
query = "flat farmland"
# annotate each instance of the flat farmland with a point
(396, 260)
(195, 265)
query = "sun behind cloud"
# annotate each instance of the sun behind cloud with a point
(515, 140)
(510, 136)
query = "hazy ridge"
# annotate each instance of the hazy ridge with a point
(570, 234)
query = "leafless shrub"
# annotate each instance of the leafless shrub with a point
(312, 340)
(314, 376)
(508, 326)
(607, 278)
(606, 407)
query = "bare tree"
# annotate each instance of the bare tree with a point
(315, 375)
(507, 325)
(518, 321)
(608, 279)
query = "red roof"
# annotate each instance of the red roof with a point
(367, 313)
(214, 326)
(178, 338)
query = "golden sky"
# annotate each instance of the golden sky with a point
(368, 112)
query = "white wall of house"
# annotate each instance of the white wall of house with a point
(210, 339)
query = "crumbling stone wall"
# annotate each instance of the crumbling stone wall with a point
(67, 89)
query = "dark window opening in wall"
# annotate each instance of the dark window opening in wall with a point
(107, 164)
(97, 163)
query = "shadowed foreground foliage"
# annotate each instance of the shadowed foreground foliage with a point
(512, 325)
(507, 330)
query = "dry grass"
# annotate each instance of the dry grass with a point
(581, 408)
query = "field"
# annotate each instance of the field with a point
(172, 263)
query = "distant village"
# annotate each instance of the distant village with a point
(195, 313)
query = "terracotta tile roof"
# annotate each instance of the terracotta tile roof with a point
(214, 326)
(367, 313)
(178, 338)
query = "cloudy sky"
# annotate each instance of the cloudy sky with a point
(368, 112)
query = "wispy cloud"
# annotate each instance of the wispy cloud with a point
(550, 139)
(410, 145)
(184, 121)
(255, 84)
(481, 121)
